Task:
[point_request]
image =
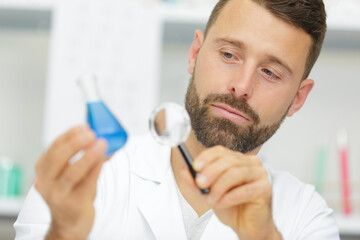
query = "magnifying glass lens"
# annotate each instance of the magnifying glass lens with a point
(170, 125)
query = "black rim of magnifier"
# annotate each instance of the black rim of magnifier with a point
(188, 160)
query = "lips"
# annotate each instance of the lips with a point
(228, 112)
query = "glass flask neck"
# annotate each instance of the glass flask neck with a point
(88, 85)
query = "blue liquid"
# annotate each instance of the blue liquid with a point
(105, 126)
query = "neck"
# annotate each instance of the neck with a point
(193, 145)
(192, 196)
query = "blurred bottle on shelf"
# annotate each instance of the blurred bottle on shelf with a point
(343, 149)
(10, 178)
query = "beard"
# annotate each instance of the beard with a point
(211, 130)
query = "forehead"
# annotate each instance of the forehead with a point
(262, 32)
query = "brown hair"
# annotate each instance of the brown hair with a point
(308, 15)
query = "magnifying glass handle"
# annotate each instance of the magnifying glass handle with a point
(188, 160)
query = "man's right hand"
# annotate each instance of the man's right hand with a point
(70, 189)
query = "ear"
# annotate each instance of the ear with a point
(194, 50)
(301, 95)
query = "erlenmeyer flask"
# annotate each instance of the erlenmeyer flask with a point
(99, 117)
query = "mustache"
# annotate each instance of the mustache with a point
(238, 104)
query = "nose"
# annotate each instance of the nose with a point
(243, 81)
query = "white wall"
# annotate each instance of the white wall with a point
(23, 64)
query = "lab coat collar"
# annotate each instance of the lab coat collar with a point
(162, 211)
(215, 229)
(160, 207)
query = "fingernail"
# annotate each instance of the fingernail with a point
(201, 179)
(198, 165)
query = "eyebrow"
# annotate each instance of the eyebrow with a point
(235, 43)
(240, 45)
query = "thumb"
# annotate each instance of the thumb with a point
(187, 177)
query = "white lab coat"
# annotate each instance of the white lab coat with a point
(137, 199)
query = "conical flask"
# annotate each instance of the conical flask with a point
(99, 117)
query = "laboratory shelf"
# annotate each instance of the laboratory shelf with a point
(27, 5)
(349, 225)
(344, 23)
(197, 13)
(10, 207)
(184, 13)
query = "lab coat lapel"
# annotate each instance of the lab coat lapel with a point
(162, 211)
(217, 230)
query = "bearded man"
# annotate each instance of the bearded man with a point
(249, 71)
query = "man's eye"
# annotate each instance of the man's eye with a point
(228, 55)
(270, 74)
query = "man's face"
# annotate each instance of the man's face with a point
(247, 78)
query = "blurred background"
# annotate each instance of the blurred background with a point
(139, 50)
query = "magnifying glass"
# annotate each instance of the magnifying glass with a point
(170, 125)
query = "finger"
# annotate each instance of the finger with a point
(232, 178)
(43, 160)
(44, 163)
(211, 172)
(259, 191)
(59, 154)
(87, 187)
(207, 156)
(70, 149)
(46, 166)
(63, 137)
(212, 154)
(187, 177)
(78, 171)
(66, 135)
